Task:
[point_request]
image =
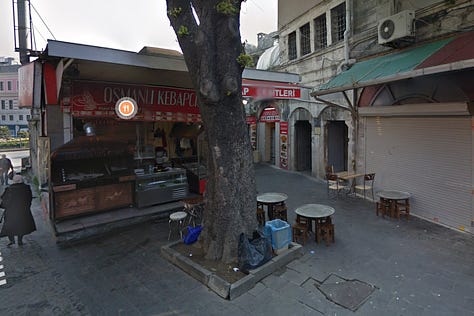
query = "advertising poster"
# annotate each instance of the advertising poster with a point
(284, 145)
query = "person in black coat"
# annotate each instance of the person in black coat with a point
(18, 220)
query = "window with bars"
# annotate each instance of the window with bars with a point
(305, 39)
(338, 22)
(320, 32)
(292, 46)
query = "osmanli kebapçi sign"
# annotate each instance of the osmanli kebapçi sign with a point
(99, 99)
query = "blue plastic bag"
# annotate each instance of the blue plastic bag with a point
(192, 235)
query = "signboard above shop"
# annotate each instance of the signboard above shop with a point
(155, 103)
(270, 115)
(269, 90)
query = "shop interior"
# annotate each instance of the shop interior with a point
(157, 162)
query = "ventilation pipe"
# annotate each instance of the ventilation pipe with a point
(22, 32)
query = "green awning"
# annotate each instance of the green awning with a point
(387, 68)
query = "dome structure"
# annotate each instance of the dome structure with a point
(270, 58)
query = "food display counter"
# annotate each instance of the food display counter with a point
(89, 175)
(161, 187)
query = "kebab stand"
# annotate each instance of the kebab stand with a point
(123, 156)
(115, 131)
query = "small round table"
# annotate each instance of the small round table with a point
(315, 211)
(321, 214)
(270, 200)
(392, 196)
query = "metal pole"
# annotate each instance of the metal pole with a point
(22, 32)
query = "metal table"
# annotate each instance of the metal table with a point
(392, 196)
(320, 213)
(270, 200)
(315, 211)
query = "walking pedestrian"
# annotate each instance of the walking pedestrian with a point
(18, 220)
(5, 166)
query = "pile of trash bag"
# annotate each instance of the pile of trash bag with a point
(252, 253)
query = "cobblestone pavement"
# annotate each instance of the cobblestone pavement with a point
(414, 268)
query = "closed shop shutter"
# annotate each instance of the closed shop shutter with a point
(430, 157)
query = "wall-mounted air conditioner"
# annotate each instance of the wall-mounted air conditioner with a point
(398, 27)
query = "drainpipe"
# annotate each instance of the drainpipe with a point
(347, 33)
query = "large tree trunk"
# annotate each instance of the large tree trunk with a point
(211, 46)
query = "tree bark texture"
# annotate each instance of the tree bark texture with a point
(211, 43)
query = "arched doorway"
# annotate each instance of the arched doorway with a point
(303, 145)
(337, 139)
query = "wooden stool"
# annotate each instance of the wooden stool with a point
(325, 232)
(280, 212)
(402, 207)
(383, 207)
(300, 229)
(260, 216)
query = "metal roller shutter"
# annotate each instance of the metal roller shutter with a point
(430, 157)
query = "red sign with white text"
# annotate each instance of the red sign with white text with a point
(270, 115)
(154, 103)
(270, 92)
(284, 145)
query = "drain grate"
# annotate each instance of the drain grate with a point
(350, 294)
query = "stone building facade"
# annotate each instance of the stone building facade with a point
(389, 94)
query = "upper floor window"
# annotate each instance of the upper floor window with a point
(320, 32)
(9, 85)
(338, 22)
(10, 104)
(28, 117)
(1, 85)
(20, 117)
(11, 117)
(292, 46)
(305, 39)
(3, 104)
(4, 117)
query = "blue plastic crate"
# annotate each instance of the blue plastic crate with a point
(279, 232)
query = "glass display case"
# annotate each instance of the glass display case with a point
(161, 187)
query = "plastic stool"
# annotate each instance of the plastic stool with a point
(177, 217)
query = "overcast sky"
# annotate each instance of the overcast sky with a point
(120, 24)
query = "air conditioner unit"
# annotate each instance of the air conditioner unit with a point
(398, 27)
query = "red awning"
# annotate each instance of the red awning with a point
(459, 49)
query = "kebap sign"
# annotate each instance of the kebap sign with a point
(133, 102)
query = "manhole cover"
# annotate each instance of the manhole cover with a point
(350, 294)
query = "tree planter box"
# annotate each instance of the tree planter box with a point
(219, 285)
